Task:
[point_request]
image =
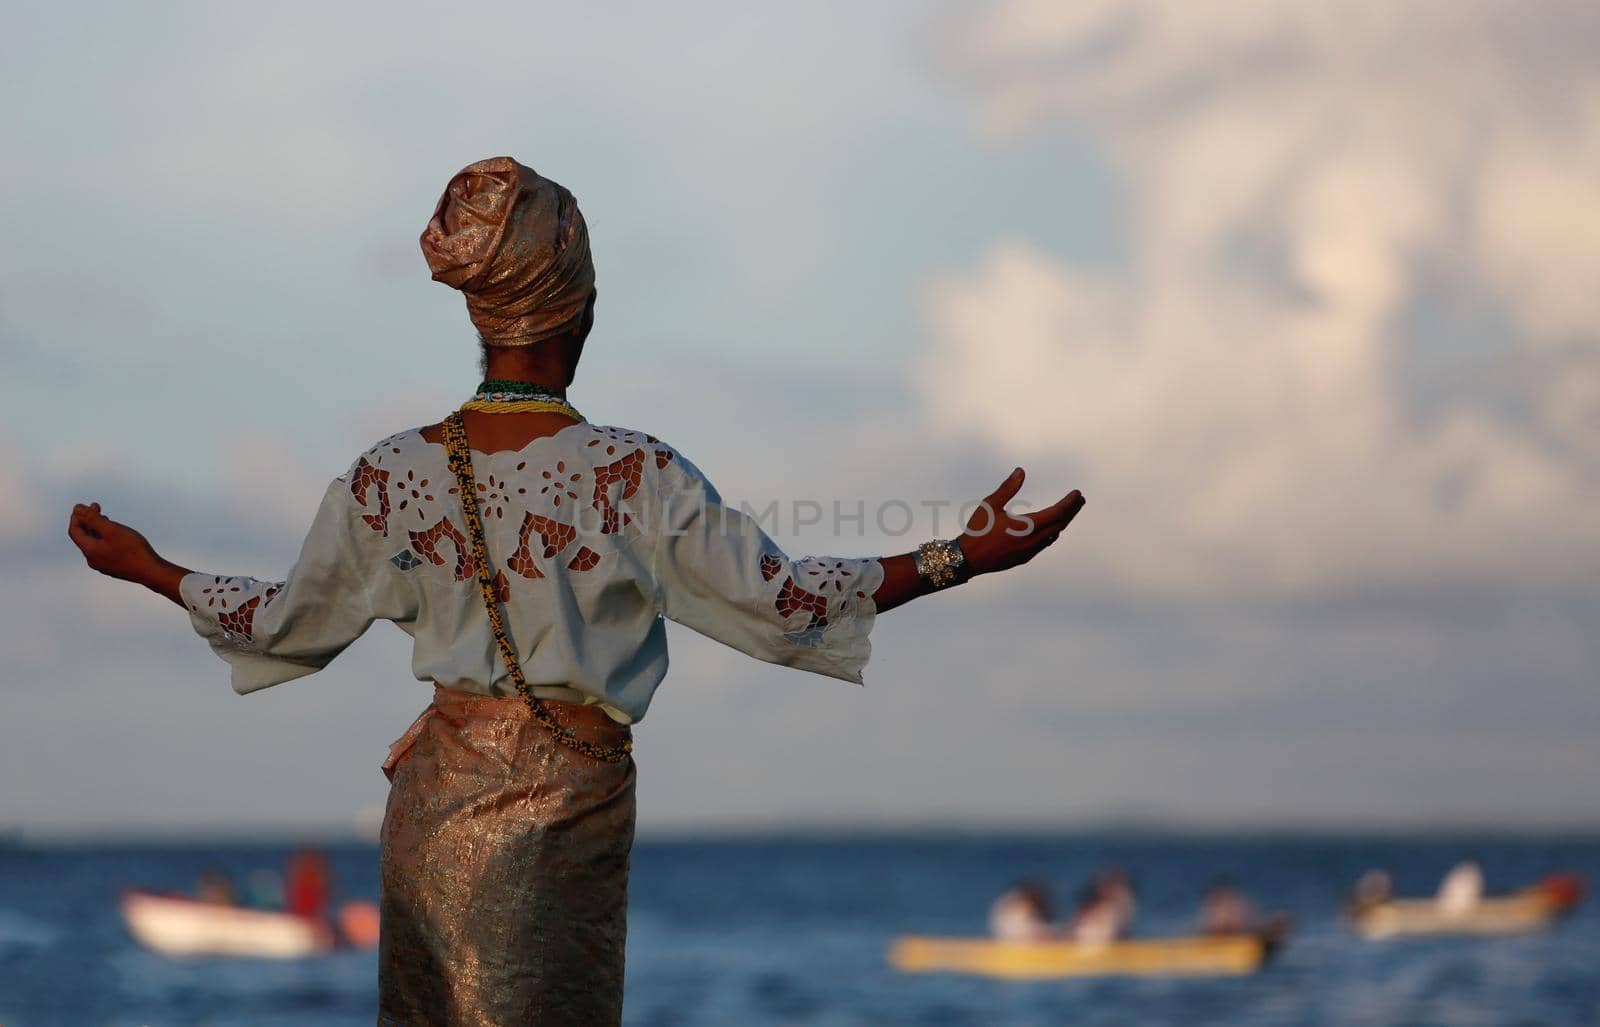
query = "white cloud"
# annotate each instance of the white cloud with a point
(1235, 400)
(20, 514)
(231, 352)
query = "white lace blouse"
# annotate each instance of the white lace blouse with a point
(596, 534)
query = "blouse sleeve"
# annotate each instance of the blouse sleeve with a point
(275, 631)
(718, 572)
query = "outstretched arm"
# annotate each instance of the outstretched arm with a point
(268, 631)
(994, 540)
(118, 551)
(716, 571)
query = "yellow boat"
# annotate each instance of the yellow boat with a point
(1200, 955)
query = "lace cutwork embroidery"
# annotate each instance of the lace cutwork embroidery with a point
(239, 622)
(492, 497)
(553, 536)
(613, 516)
(822, 577)
(559, 484)
(217, 594)
(808, 586)
(549, 518)
(827, 575)
(413, 492)
(426, 545)
(361, 483)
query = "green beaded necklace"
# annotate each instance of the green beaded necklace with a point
(506, 388)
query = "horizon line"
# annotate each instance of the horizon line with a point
(23, 836)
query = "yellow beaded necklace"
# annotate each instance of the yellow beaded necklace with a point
(523, 406)
(508, 396)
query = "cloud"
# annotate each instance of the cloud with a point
(1334, 211)
(20, 516)
(1240, 397)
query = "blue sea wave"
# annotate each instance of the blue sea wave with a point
(794, 931)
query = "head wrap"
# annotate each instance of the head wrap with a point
(515, 244)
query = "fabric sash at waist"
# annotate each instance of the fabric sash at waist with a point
(587, 720)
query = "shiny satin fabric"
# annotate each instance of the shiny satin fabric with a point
(505, 869)
(516, 246)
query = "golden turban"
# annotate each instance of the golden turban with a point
(515, 244)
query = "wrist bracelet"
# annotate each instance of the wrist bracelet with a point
(941, 563)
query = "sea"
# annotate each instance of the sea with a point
(782, 930)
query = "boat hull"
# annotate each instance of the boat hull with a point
(1209, 956)
(1402, 918)
(177, 926)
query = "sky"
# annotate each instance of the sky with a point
(1300, 295)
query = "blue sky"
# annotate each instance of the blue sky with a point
(1303, 305)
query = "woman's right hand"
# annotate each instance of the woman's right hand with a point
(110, 547)
(116, 550)
(997, 540)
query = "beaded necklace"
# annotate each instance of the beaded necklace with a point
(460, 460)
(506, 396)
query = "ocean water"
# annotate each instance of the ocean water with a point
(752, 933)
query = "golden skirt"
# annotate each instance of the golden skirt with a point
(505, 869)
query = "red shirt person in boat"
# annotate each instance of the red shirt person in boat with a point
(306, 885)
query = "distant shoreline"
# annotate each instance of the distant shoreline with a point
(826, 835)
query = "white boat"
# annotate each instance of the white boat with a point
(177, 926)
(1531, 910)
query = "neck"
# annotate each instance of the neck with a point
(539, 363)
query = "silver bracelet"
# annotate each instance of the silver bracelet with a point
(941, 563)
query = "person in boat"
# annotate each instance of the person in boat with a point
(264, 889)
(1225, 910)
(1105, 909)
(216, 887)
(1117, 886)
(1373, 889)
(532, 556)
(1094, 921)
(1461, 889)
(1023, 913)
(307, 883)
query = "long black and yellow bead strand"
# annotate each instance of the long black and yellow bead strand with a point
(460, 460)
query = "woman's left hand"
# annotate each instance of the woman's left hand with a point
(996, 539)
